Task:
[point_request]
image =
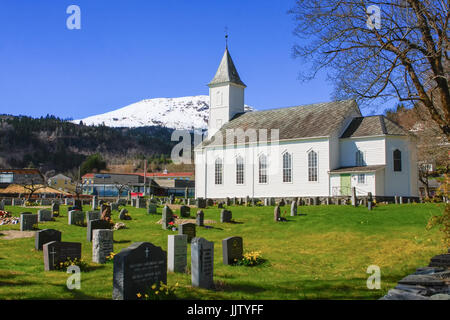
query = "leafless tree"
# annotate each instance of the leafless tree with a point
(121, 187)
(405, 57)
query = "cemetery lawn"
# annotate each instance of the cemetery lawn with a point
(322, 254)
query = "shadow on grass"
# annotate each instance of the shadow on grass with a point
(8, 280)
(121, 241)
(210, 227)
(79, 295)
(235, 222)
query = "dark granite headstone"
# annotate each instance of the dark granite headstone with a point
(151, 208)
(56, 252)
(202, 263)
(185, 211)
(75, 217)
(167, 217)
(137, 268)
(27, 221)
(93, 215)
(232, 249)
(276, 214)
(55, 209)
(201, 203)
(188, 229)
(225, 216)
(96, 224)
(44, 236)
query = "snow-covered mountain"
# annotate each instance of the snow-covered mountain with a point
(177, 113)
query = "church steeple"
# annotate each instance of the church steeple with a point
(227, 73)
(226, 93)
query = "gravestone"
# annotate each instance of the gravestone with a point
(202, 263)
(177, 253)
(282, 202)
(201, 203)
(220, 205)
(232, 249)
(93, 215)
(200, 218)
(293, 208)
(266, 202)
(235, 201)
(77, 204)
(141, 203)
(94, 203)
(369, 205)
(45, 236)
(151, 209)
(209, 202)
(137, 268)
(400, 200)
(16, 202)
(2, 205)
(102, 244)
(227, 202)
(247, 200)
(167, 217)
(123, 215)
(27, 221)
(133, 202)
(396, 199)
(75, 217)
(276, 214)
(55, 209)
(354, 200)
(225, 216)
(409, 200)
(44, 215)
(186, 193)
(188, 229)
(56, 252)
(96, 224)
(185, 211)
(114, 206)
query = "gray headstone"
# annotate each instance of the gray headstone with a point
(369, 205)
(96, 224)
(167, 217)
(93, 215)
(293, 208)
(354, 200)
(27, 221)
(396, 199)
(151, 209)
(232, 249)
(137, 268)
(2, 205)
(209, 202)
(276, 214)
(220, 205)
(114, 206)
(200, 218)
(75, 217)
(177, 253)
(227, 202)
(94, 203)
(202, 263)
(44, 215)
(188, 229)
(225, 216)
(400, 200)
(56, 252)
(185, 211)
(44, 236)
(102, 244)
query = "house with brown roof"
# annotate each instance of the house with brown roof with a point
(322, 149)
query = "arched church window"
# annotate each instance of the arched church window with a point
(287, 167)
(239, 170)
(218, 171)
(397, 160)
(312, 166)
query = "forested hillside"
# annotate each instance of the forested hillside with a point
(52, 143)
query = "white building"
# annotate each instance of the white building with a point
(322, 149)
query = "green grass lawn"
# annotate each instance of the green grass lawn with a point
(322, 254)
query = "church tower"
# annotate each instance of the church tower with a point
(226, 95)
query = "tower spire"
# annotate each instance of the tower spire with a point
(226, 37)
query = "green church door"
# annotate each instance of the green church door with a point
(346, 184)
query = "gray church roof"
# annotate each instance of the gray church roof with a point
(372, 126)
(226, 73)
(314, 120)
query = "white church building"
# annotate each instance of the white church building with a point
(317, 150)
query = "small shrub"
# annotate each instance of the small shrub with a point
(250, 259)
(159, 292)
(84, 266)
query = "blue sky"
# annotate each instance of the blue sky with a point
(131, 50)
